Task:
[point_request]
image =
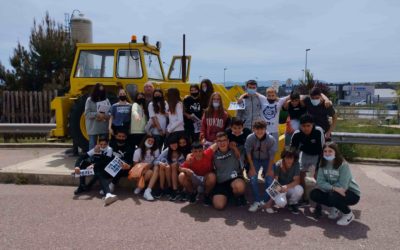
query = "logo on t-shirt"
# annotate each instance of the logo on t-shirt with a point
(270, 111)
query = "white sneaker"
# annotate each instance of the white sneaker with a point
(110, 198)
(255, 206)
(137, 191)
(269, 210)
(346, 219)
(147, 195)
(111, 186)
(333, 213)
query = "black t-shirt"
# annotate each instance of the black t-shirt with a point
(241, 139)
(311, 144)
(191, 106)
(320, 113)
(124, 152)
(296, 112)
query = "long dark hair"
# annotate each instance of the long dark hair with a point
(159, 107)
(173, 97)
(337, 162)
(210, 110)
(173, 139)
(143, 148)
(187, 149)
(135, 98)
(205, 97)
(98, 95)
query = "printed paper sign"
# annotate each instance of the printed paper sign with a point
(84, 172)
(274, 189)
(114, 166)
(236, 106)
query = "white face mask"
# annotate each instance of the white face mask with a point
(315, 102)
(204, 89)
(216, 105)
(147, 144)
(329, 157)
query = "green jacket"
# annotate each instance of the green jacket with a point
(329, 177)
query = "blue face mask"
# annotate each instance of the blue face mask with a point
(329, 157)
(251, 91)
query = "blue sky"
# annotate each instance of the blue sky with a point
(356, 40)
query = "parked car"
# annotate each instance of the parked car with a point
(391, 106)
(361, 103)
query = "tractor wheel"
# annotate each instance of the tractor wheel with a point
(77, 126)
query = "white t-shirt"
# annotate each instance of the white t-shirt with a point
(176, 120)
(148, 158)
(271, 114)
(162, 118)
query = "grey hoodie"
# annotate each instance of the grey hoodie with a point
(261, 149)
(253, 110)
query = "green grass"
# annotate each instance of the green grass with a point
(367, 151)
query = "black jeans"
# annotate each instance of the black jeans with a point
(121, 173)
(334, 199)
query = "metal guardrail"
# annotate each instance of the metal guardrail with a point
(26, 128)
(366, 138)
(338, 137)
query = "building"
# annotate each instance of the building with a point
(385, 96)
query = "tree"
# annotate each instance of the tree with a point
(305, 86)
(47, 62)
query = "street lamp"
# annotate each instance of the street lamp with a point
(305, 68)
(224, 74)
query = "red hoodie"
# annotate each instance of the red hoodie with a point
(210, 126)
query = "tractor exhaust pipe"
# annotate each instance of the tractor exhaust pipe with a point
(184, 59)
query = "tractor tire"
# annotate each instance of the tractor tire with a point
(76, 129)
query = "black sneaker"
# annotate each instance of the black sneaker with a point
(240, 201)
(80, 190)
(184, 197)
(294, 209)
(304, 203)
(193, 197)
(207, 201)
(317, 211)
(157, 193)
(173, 195)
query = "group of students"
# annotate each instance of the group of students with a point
(192, 147)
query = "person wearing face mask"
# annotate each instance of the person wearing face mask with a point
(138, 120)
(120, 113)
(192, 113)
(147, 153)
(215, 119)
(206, 90)
(96, 114)
(124, 151)
(319, 106)
(97, 159)
(336, 187)
(157, 124)
(253, 103)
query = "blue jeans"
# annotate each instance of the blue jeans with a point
(93, 140)
(254, 180)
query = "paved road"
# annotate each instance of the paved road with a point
(50, 217)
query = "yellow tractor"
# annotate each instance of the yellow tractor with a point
(127, 65)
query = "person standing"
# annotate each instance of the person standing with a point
(192, 113)
(215, 119)
(175, 125)
(97, 108)
(138, 120)
(120, 113)
(157, 124)
(206, 90)
(253, 103)
(148, 90)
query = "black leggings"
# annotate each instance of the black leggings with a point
(334, 199)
